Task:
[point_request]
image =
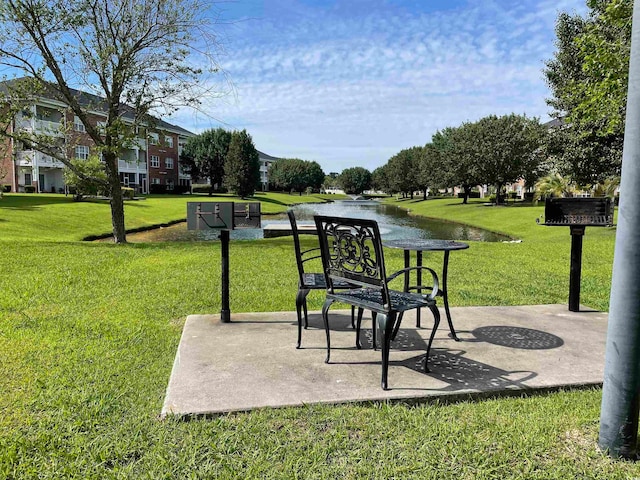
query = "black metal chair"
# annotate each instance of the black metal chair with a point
(351, 251)
(310, 281)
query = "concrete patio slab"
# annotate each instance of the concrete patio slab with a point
(252, 362)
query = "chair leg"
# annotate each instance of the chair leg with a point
(397, 327)
(306, 314)
(358, 323)
(325, 318)
(374, 329)
(436, 322)
(353, 314)
(386, 324)
(300, 303)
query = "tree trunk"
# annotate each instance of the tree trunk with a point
(116, 202)
(498, 190)
(465, 194)
(424, 194)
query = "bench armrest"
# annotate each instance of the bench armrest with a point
(435, 287)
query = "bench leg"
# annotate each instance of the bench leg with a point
(358, 323)
(325, 318)
(374, 329)
(301, 303)
(386, 324)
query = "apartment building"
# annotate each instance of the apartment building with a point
(265, 164)
(151, 159)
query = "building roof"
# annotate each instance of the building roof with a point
(267, 157)
(94, 103)
(556, 122)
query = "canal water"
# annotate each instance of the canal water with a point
(394, 223)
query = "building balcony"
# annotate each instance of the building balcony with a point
(31, 158)
(43, 127)
(131, 166)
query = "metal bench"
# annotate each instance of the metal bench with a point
(351, 251)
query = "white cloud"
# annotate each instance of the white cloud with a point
(355, 89)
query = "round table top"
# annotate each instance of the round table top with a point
(423, 244)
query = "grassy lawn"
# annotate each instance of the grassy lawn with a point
(89, 331)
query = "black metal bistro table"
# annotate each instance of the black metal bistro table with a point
(428, 245)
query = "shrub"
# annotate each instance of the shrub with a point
(157, 188)
(6, 188)
(200, 188)
(180, 189)
(472, 194)
(127, 192)
(204, 188)
(29, 189)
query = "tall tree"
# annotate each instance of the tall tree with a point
(505, 147)
(459, 164)
(203, 156)
(355, 180)
(242, 166)
(139, 54)
(380, 179)
(294, 174)
(429, 169)
(314, 175)
(403, 171)
(588, 79)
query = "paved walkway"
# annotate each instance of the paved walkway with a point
(252, 362)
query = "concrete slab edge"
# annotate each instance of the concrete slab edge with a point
(444, 398)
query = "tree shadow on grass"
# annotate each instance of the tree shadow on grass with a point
(271, 200)
(31, 201)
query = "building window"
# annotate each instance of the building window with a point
(155, 161)
(168, 162)
(168, 141)
(82, 152)
(78, 126)
(169, 184)
(155, 181)
(27, 179)
(153, 139)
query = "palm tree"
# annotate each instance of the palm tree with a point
(554, 185)
(607, 188)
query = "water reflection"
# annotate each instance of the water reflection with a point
(394, 222)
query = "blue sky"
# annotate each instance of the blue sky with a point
(352, 82)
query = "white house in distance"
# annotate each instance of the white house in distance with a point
(265, 163)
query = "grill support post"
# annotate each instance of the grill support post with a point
(225, 312)
(577, 233)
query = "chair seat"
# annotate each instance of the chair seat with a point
(371, 299)
(316, 281)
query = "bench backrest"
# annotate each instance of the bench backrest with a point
(301, 256)
(351, 250)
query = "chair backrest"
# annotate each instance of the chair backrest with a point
(301, 256)
(351, 250)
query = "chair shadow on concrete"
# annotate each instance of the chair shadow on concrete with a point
(451, 366)
(461, 373)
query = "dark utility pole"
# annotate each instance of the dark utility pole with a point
(621, 389)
